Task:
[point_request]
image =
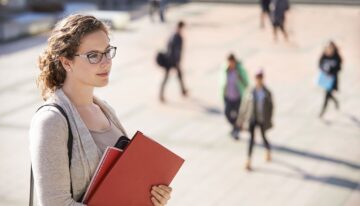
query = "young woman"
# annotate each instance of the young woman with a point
(261, 116)
(330, 63)
(76, 60)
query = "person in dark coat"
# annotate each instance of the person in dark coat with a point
(265, 11)
(158, 5)
(330, 63)
(278, 14)
(174, 53)
(262, 112)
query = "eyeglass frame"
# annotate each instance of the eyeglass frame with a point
(102, 54)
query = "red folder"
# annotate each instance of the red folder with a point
(107, 161)
(128, 180)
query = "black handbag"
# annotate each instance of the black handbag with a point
(69, 145)
(163, 60)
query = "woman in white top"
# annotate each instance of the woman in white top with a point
(76, 60)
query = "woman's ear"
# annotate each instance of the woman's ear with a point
(66, 63)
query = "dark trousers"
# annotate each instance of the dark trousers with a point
(329, 96)
(180, 77)
(232, 110)
(160, 6)
(253, 125)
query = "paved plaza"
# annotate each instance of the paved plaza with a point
(315, 162)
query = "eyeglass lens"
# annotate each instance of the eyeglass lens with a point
(96, 57)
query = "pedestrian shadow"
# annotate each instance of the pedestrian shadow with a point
(302, 174)
(354, 121)
(312, 155)
(211, 110)
(197, 105)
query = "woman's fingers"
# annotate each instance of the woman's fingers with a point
(161, 194)
(165, 193)
(160, 199)
(166, 188)
(155, 201)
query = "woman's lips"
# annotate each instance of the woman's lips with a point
(104, 74)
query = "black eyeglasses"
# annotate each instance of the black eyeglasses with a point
(96, 57)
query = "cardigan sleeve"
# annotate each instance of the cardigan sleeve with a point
(49, 157)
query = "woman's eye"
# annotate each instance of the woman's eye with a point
(93, 56)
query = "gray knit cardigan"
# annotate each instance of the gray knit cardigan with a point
(49, 157)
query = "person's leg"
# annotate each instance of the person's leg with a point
(275, 32)
(265, 11)
(268, 17)
(262, 19)
(251, 144)
(283, 30)
(152, 8)
(227, 109)
(231, 112)
(327, 97)
(331, 96)
(162, 88)
(266, 143)
(161, 10)
(235, 113)
(180, 77)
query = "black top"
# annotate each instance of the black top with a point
(330, 64)
(175, 49)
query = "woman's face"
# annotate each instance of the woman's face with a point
(232, 64)
(329, 50)
(85, 73)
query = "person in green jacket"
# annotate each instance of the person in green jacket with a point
(234, 82)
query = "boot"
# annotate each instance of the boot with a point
(248, 165)
(268, 156)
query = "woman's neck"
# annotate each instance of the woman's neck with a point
(80, 95)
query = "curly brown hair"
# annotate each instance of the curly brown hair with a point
(64, 41)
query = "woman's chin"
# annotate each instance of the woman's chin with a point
(102, 83)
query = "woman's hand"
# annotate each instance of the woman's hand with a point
(160, 195)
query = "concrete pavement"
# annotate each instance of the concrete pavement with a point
(325, 2)
(315, 162)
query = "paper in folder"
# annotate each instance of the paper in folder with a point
(126, 177)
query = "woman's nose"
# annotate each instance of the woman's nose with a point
(105, 61)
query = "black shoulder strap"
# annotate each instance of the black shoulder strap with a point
(70, 137)
(69, 146)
